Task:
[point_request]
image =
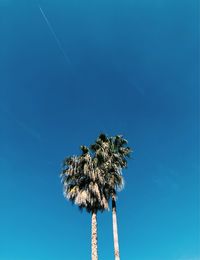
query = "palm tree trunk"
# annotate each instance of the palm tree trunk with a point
(94, 236)
(115, 232)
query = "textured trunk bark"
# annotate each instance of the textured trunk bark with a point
(115, 232)
(94, 236)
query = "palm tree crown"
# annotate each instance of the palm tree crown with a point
(111, 154)
(83, 182)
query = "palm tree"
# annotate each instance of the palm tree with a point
(112, 154)
(82, 182)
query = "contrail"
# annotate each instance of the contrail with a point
(54, 35)
(23, 125)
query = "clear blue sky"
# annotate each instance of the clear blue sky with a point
(132, 71)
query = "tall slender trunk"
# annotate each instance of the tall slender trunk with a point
(115, 232)
(94, 236)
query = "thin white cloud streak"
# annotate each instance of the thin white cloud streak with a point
(165, 178)
(189, 258)
(21, 124)
(28, 129)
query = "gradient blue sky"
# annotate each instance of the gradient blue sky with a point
(132, 71)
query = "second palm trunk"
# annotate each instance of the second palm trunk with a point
(115, 232)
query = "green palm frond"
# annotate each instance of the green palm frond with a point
(111, 154)
(84, 149)
(103, 137)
